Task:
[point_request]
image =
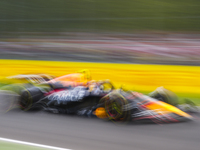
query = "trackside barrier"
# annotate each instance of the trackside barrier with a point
(134, 76)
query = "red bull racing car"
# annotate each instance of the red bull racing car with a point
(78, 94)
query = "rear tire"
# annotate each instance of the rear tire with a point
(25, 101)
(29, 97)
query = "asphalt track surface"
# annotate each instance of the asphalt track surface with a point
(80, 133)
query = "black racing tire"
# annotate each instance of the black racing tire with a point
(29, 97)
(170, 99)
(25, 101)
(165, 95)
(115, 107)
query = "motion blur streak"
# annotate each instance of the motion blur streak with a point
(32, 144)
(135, 76)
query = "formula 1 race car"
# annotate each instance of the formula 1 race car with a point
(78, 94)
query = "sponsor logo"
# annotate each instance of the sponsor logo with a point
(63, 97)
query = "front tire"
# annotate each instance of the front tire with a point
(115, 106)
(165, 95)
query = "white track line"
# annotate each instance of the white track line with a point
(32, 144)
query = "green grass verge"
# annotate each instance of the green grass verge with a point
(193, 97)
(13, 146)
(99, 15)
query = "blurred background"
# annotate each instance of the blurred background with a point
(125, 32)
(139, 31)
